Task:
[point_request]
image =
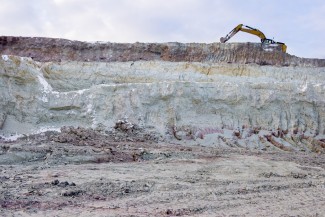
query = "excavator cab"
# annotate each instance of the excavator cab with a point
(267, 44)
(268, 41)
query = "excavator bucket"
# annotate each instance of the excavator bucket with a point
(222, 40)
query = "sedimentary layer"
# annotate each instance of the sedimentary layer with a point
(184, 96)
(51, 49)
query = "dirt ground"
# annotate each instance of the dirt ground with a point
(80, 172)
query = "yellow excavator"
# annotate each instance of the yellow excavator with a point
(267, 43)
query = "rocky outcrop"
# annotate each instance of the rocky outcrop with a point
(50, 49)
(218, 99)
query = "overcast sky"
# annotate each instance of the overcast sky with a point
(298, 23)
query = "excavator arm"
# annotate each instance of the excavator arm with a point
(243, 28)
(252, 31)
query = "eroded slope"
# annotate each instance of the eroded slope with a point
(245, 105)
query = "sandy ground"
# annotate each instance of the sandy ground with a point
(140, 176)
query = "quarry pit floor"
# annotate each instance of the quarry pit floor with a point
(55, 176)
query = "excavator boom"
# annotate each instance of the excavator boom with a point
(253, 31)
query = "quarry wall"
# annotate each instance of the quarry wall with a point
(186, 91)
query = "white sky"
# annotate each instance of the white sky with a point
(298, 23)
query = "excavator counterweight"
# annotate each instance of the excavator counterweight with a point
(265, 41)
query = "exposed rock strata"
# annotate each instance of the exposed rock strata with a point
(191, 96)
(51, 49)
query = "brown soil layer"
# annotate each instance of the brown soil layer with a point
(56, 50)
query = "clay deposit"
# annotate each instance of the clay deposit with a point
(165, 129)
(182, 100)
